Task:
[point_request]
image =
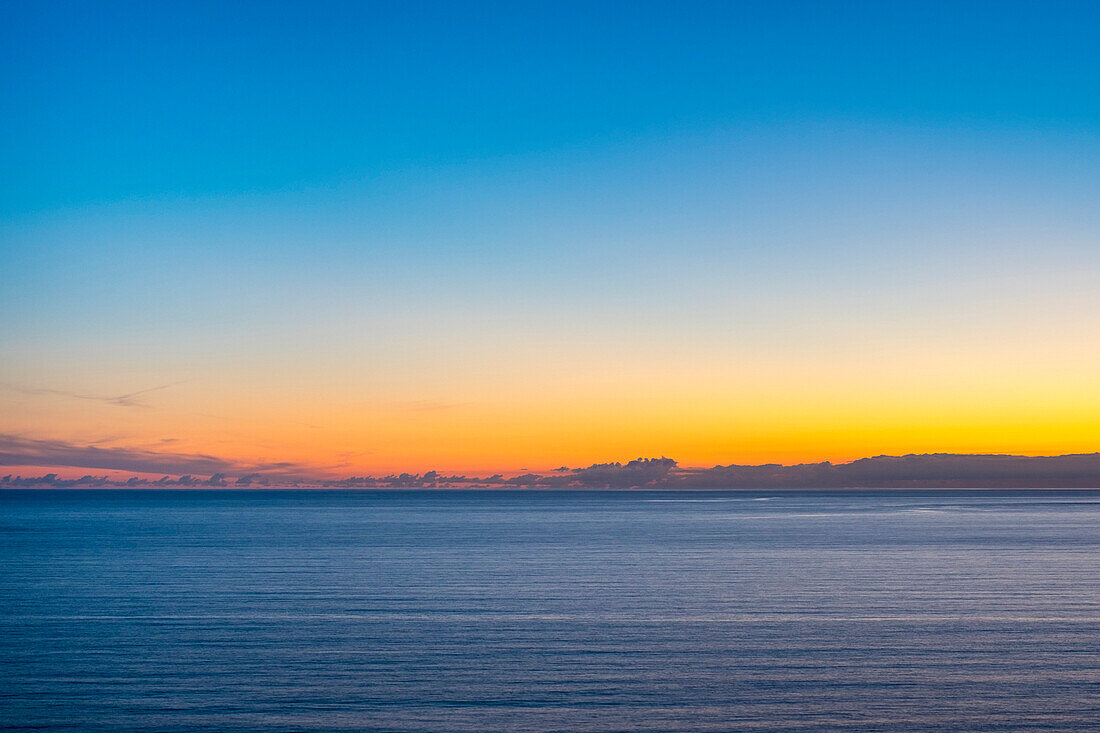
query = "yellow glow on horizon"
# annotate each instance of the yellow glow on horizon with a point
(571, 410)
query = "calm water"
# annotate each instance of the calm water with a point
(549, 611)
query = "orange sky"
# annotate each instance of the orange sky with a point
(577, 411)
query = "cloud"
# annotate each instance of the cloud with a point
(945, 470)
(939, 470)
(130, 399)
(929, 471)
(16, 450)
(636, 473)
(19, 451)
(420, 405)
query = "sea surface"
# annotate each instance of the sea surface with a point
(306, 610)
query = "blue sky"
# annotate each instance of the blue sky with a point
(137, 100)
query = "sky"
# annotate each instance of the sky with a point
(355, 238)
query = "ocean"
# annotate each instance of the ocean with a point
(448, 610)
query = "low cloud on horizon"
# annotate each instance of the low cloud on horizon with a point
(943, 469)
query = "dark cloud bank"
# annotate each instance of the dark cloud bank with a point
(938, 470)
(941, 470)
(182, 468)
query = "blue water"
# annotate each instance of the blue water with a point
(549, 611)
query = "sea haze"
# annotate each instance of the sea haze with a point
(549, 610)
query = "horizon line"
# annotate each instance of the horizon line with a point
(950, 470)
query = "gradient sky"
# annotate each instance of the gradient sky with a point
(360, 237)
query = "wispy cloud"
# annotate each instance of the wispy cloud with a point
(16, 450)
(421, 405)
(130, 399)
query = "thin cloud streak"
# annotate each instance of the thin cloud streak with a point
(414, 406)
(124, 400)
(16, 450)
